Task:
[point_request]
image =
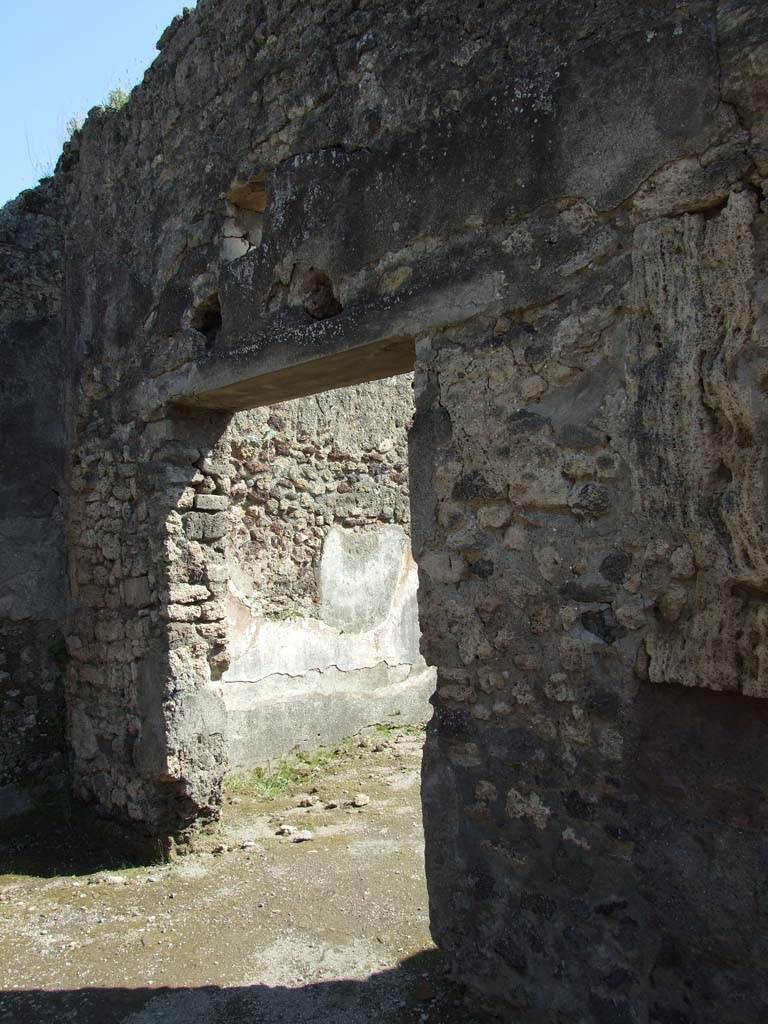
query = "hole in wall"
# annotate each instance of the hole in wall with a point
(207, 319)
(319, 299)
(244, 223)
(305, 287)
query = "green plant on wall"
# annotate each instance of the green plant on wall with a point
(74, 124)
(287, 613)
(116, 99)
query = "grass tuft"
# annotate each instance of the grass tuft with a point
(298, 771)
(292, 772)
(117, 99)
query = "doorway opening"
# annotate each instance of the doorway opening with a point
(321, 607)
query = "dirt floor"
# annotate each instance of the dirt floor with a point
(251, 927)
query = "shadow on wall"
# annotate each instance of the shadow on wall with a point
(416, 990)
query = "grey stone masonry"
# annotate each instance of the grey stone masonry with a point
(554, 213)
(34, 416)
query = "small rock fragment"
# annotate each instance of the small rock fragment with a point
(286, 830)
(304, 836)
(683, 564)
(360, 800)
(671, 603)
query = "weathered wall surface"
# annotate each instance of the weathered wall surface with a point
(33, 583)
(308, 681)
(322, 616)
(562, 206)
(231, 96)
(593, 579)
(335, 459)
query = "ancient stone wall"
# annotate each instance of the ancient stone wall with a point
(300, 468)
(231, 97)
(33, 500)
(561, 208)
(148, 529)
(593, 591)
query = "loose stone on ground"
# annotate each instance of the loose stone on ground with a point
(257, 924)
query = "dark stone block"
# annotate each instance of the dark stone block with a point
(579, 807)
(537, 903)
(611, 1011)
(473, 486)
(602, 622)
(615, 566)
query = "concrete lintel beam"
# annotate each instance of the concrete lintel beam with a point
(290, 357)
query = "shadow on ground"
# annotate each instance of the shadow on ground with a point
(417, 990)
(57, 850)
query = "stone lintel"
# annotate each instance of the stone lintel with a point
(356, 365)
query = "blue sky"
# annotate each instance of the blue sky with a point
(59, 58)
